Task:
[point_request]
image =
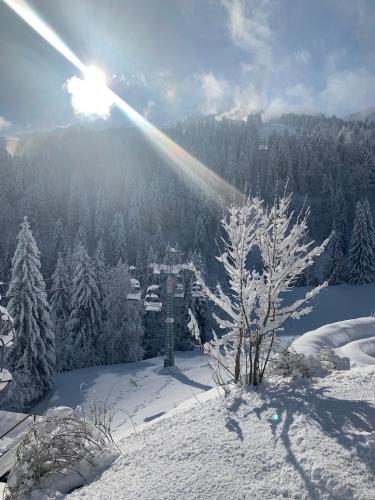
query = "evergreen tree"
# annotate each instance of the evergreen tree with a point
(200, 236)
(340, 220)
(32, 357)
(123, 328)
(159, 243)
(100, 268)
(86, 312)
(152, 256)
(370, 223)
(59, 238)
(81, 237)
(118, 239)
(336, 272)
(60, 313)
(101, 276)
(326, 206)
(361, 262)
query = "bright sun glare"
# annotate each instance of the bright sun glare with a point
(95, 77)
(90, 95)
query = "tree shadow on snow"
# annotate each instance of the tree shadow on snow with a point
(184, 379)
(342, 420)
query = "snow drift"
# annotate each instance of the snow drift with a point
(353, 339)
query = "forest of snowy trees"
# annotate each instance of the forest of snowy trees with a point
(90, 205)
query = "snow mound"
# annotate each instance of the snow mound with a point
(353, 339)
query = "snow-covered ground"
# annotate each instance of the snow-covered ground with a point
(142, 390)
(353, 339)
(307, 440)
(311, 439)
(335, 303)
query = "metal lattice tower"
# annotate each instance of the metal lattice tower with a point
(173, 255)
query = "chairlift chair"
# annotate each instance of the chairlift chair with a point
(197, 290)
(180, 289)
(135, 290)
(152, 299)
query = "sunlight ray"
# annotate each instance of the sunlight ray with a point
(213, 186)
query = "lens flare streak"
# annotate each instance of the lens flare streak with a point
(183, 162)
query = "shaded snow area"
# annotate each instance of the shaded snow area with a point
(353, 339)
(335, 303)
(8, 420)
(308, 440)
(142, 390)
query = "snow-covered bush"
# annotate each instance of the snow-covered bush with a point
(332, 361)
(296, 365)
(58, 453)
(253, 310)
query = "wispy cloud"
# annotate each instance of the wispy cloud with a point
(4, 123)
(148, 109)
(215, 92)
(349, 90)
(248, 23)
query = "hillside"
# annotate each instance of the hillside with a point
(310, 440)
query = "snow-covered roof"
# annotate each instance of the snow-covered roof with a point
(134, 282)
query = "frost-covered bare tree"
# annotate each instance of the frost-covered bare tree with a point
(253, 309)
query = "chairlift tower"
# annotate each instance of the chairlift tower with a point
(173, 255)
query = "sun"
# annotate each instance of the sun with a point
(90, 95)
(94, 77)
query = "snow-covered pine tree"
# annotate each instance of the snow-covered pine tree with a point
(361, 261)
(326, 205)
(370, 222)
(60, 313)
(100, 269)
(159, 243)
(336, 270)
(101, 276)
(85, 312)
(81, 237)
(119, 249)
(123, 326)
(340, 219)
(200, 235)
(32, 357)
(84, 215)
(59, 238)
(152, 256)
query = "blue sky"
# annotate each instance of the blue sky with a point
(176, 58)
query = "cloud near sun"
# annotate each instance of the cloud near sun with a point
(90, 96)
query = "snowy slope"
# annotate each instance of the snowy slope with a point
(312, 440)
(335, 303)
(142, 390)
(354, 339)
